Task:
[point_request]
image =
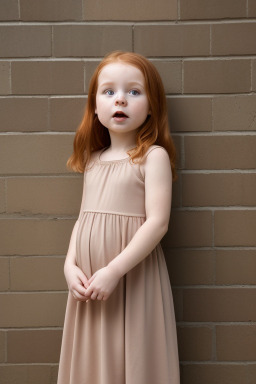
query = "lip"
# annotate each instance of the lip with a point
(120, 112)
(120, 119)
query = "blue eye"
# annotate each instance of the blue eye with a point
(134, 92)
(109, 92)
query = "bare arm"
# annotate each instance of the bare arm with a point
(158, 195)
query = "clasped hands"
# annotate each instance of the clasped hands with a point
(99, 286)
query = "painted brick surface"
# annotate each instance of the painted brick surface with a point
(217, 76)
(176, 40)
(212, 9)
(205, 52)
(26, 41)
(9, 10)
(130, 10)
(87, 40)
(234, 113)
(50, 10)
(47, 77)
(31, 114)
(5, 75)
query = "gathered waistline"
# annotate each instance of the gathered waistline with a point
(114, 213)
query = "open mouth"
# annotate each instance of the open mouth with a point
(119, 114)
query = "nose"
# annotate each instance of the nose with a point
(120, 99)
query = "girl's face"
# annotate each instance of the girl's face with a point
(121, 100)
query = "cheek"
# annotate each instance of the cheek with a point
(99, 105)
(142, 109)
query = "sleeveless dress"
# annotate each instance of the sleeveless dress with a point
(131, 337)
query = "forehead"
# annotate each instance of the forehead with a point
(120, 71)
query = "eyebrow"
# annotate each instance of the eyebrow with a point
(129, 83)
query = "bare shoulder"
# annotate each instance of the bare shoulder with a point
(156, 159)
(93, 158)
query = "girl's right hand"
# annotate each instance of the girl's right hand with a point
(77, 282)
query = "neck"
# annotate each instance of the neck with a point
(122, 142)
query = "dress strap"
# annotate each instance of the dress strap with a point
(152, 148)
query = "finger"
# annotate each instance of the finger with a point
(92, 278)
(100, 296)
(94, 295)
(83, 278)
(80, 289)
(78, 297)
(89, 291)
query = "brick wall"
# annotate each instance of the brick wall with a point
(205, 51)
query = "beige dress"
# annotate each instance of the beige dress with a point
(131, 337)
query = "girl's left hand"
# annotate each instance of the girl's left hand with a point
(102, 283)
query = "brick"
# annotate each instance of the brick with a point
(212, 9)
(133, 10)
(26, 154)
(30, 114)
(178, 145)
(5, 75)
(171, 74)
(234, 152)
(37, 273)
(214, 373)
(235, 228)
(45, 195)
(2, 346)
(251, 8)
(25, 41)
(198, 114)
(25, 374)
(187, 267)
(2, 195)
(253, 75)
(40, 346)
(54, 374)
(35, 236)
(32, 310)
(66, 113)
(9, 10)
(176, 193)
(50, 10)
(218, 189)
(190, 348)
(178, 303)
(210, 304)
(236, 342)
(90, 67)
(217, 76)
(233, 39)
(189, 229)
(4, 274)
(234, 113)
(47, 77)
(243, 264)
(86, 40)
(251, 373)
(176, 40)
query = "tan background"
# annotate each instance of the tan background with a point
(205, 51)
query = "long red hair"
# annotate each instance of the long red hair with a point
(91, 135)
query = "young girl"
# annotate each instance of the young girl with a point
(120, 322)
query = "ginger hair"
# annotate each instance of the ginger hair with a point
(92, 136)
